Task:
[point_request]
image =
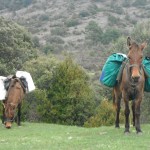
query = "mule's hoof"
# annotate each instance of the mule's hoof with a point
(139, 133)
(126, 132)
(117, 126)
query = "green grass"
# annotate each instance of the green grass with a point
(40, 136)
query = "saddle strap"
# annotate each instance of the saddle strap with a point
(119, 76)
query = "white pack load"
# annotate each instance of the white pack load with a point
(2, 88)
(28, 78)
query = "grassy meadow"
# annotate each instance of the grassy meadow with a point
(40, 136)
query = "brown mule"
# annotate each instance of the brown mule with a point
(131, 86)
(13, 102)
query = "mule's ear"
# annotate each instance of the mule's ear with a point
(128, 41)
(143, 45)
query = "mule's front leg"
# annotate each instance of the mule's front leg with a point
(133, 112)
(3, 116)
(127, 112)
(137, 116)
(19, 115)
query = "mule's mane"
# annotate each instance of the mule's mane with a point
(13, 82)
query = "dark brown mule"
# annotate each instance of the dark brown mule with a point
(13, 102)
(131, 86)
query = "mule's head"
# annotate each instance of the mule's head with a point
(9, 114)
(135, 56)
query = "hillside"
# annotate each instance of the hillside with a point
(37, 136)
(60, 24)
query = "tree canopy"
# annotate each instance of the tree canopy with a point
(15, 46)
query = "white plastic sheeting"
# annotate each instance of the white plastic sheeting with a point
(2, 88)
(19, 74)
(28, 78)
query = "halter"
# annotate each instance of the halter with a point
(8, 119)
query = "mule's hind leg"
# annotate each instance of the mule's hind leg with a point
(116, 103)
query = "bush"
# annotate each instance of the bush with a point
(48, 48)
(36, 106)
(105, 115)
(70, 94)
(119, 46)
(139, 3)
(110, 35)
(59, 31)
(99, 0)
(55, 39)
(84, 13)
(44, 17)
(118, 10)
(126, 3)
(72, 22)
(141, 33)
(36, 42)
(93, 32)
(113, 20)
(93, 9)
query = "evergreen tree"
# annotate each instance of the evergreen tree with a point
(15, 46)
(71, 97)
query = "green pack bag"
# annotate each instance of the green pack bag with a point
(146, 66)
(111, 69)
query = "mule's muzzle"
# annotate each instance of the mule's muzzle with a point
(135, 73)
(8, 125)
(135, 78)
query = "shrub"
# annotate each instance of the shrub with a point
(110, 35)
(126, 3)
(36, 42)
(55, 39)
(48, 48)
(93, 32)
(70, 94)
(44, 17)
(141, 33)
(71, 22)
(113, 20)
(105, 115)
(118, 10)
(84, 13)
(119, 46)
(93, 9)
(139, 3)
(99, 0)
(61, 31)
